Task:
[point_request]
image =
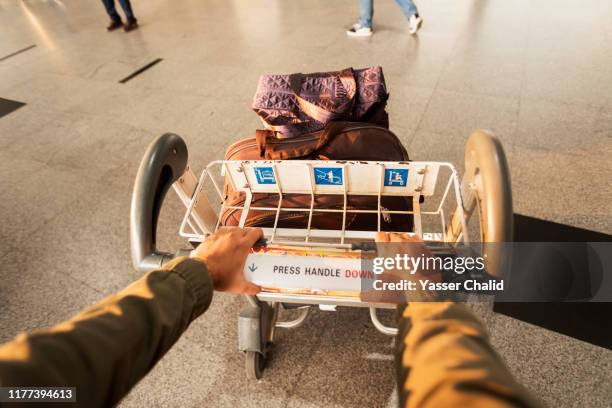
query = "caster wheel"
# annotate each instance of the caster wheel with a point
(254, 364)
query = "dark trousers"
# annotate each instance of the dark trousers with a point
(112, 12)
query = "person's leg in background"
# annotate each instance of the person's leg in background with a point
(129, 15)
(412, 14)
(115, 23)
(366, 12)
(364, 26)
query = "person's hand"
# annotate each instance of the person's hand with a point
(224, 254)
(411, 245)
(388, 246)
(416, 247)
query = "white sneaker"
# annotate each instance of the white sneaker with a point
(359, 31)
(414, 23)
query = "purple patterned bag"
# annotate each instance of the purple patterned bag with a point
(291, 105)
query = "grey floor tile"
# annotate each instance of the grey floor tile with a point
(572, 129)
(209, 130)
(354, 354)
(7, 319)
(35, 200)
(563, 82)
(167, 75)
(189, 369)
(585, 33)
(420, 71)
(29, 57)
(90, 238)
(54, 91)
(589, 45)
(22, 123)
(12, 76)
(458, 114)
(120, 102)
(484, 40)
(95, 65)
(99, 146)
(483, 76)
(15, 170)
(407, 105)
(438, 147)
(216, 334)
(47, 140)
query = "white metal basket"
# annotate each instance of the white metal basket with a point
(345, 178)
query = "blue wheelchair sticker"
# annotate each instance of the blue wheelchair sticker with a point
(328, 176)
(396, 177)
(264, 175)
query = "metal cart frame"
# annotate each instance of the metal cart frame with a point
(484, 190)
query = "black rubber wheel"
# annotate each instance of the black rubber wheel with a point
(254, 364)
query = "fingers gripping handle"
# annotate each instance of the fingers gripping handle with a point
(163, 163)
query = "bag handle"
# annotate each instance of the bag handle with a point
(303, 149)
(346, 77)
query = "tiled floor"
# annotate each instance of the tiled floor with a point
(535, 72)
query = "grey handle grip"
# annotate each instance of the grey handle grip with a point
(163, 163)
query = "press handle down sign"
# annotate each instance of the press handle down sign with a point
(320, 272)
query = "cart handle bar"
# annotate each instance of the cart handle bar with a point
(163, 163)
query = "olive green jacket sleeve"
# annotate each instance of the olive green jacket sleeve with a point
(445, 359)
(105, 350)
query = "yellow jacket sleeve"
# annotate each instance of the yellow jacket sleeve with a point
(105, 350)
(445, 359)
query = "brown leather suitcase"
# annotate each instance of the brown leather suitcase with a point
(338, 141)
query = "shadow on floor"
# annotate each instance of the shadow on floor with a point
(7, 106)
(588, 322)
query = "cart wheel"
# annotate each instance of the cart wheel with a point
(486, 187)
(254, 364)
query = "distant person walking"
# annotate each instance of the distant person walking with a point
(363, 28)
(116, 22)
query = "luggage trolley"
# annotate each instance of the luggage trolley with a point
(445, 216)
